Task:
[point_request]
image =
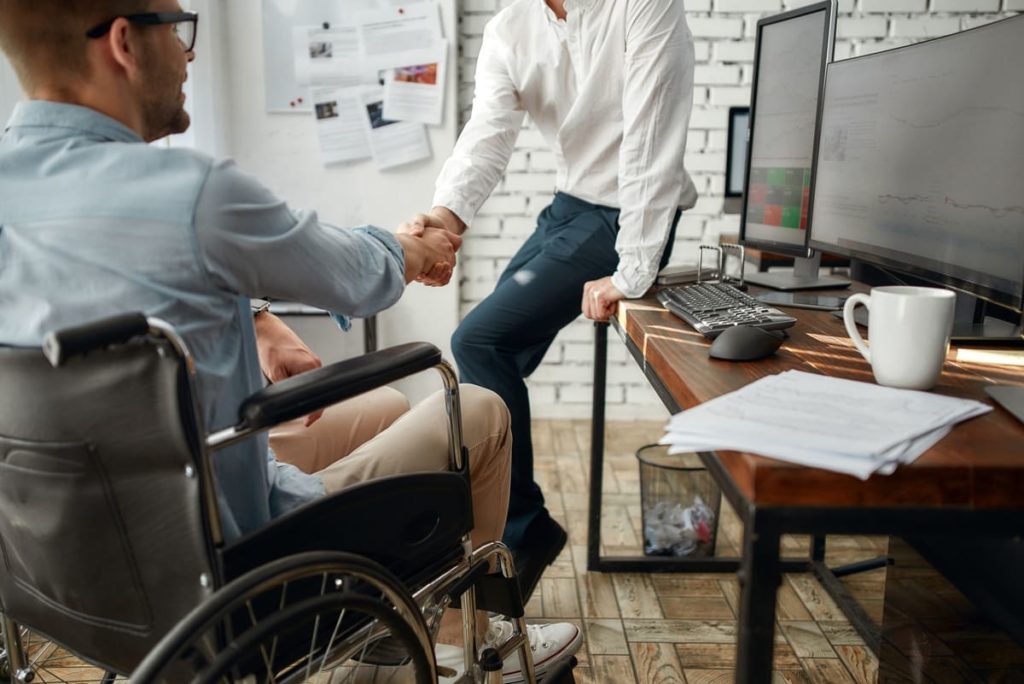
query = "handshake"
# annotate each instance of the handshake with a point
(430, 242)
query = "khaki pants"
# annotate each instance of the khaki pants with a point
(377, 434)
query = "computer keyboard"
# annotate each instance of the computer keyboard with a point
(712, 307)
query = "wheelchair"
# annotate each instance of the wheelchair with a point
(112, 546)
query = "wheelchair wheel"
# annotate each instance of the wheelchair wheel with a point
(313, 617)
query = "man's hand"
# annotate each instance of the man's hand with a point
(439, 218)
(429, 253)
(600, 299)
(282, 354)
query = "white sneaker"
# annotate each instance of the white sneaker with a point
(451, 660)
(551, 646)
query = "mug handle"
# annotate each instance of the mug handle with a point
(851, 325)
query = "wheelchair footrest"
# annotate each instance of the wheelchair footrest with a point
(494, 593)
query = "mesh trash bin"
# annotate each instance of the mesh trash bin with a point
(680, 502)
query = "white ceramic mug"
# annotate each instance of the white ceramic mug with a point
(909, 329)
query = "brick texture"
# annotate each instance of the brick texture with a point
(724, 46)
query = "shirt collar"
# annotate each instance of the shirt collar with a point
(44, 114)
(570, 6)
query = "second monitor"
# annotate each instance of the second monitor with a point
(789, 70)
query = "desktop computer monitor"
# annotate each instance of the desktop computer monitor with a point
(790, 55)
(920, 165)
(736, 158)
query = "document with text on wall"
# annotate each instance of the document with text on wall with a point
(850, 427)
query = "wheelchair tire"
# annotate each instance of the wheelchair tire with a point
(295, 618)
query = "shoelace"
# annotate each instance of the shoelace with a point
(500, 631)
(535, 634)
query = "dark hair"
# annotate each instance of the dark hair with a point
(45, 39)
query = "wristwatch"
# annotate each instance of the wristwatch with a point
(258, 306)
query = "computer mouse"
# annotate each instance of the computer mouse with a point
(745, 343)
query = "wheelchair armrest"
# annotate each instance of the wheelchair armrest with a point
(313, 390)
(60, 345)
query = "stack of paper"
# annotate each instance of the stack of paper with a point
(850, 427)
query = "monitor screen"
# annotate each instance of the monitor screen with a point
(789, 67)
(921, 161)
(736, 153)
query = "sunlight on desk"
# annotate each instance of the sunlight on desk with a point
(993, 357)
(692, 338)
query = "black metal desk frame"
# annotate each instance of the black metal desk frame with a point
(760, 567)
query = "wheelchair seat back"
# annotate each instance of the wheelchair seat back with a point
(103, 539)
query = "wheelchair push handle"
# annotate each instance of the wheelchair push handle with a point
(61, 345)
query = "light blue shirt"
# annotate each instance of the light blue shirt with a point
(95, 222)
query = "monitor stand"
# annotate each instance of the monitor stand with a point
(804, 277)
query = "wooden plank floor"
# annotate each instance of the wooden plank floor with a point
(680, 628)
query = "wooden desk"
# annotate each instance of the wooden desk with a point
(970, 483)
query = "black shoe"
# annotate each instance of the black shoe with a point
(544, 540)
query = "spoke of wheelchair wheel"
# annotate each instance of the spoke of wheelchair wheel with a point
(330, 642)
(268, 660)
(273, 644)
(316, 630)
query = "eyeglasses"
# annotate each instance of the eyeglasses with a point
(184, 25)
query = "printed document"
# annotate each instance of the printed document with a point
(416, 93)
(327, 56)
(392, 142)
(400, 36)
(813, 420)
(339, 124)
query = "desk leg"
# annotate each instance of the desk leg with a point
(597, 446)
(760, 576)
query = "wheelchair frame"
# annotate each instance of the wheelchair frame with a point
(291, 399)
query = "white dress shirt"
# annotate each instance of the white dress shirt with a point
(610, 88)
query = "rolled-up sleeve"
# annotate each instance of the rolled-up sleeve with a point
(486, 143)
(253, 244)
(656, 102)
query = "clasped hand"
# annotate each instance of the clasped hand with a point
(439, 247)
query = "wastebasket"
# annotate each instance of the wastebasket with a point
(680, 502)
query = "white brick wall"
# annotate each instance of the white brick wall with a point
(724, 46)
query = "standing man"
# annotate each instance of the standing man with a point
(609, 83)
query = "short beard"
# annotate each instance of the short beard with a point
(163, 113)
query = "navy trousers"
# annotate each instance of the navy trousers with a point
(504, 339)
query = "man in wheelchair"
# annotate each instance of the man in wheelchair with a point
(95, 222)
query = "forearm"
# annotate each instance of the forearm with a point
(656, 104)
(251, 243)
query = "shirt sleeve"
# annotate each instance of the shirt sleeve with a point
(290, 487)
(656, 101)
(486, 143)
(253, 244)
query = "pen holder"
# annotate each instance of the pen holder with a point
(680, 503)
